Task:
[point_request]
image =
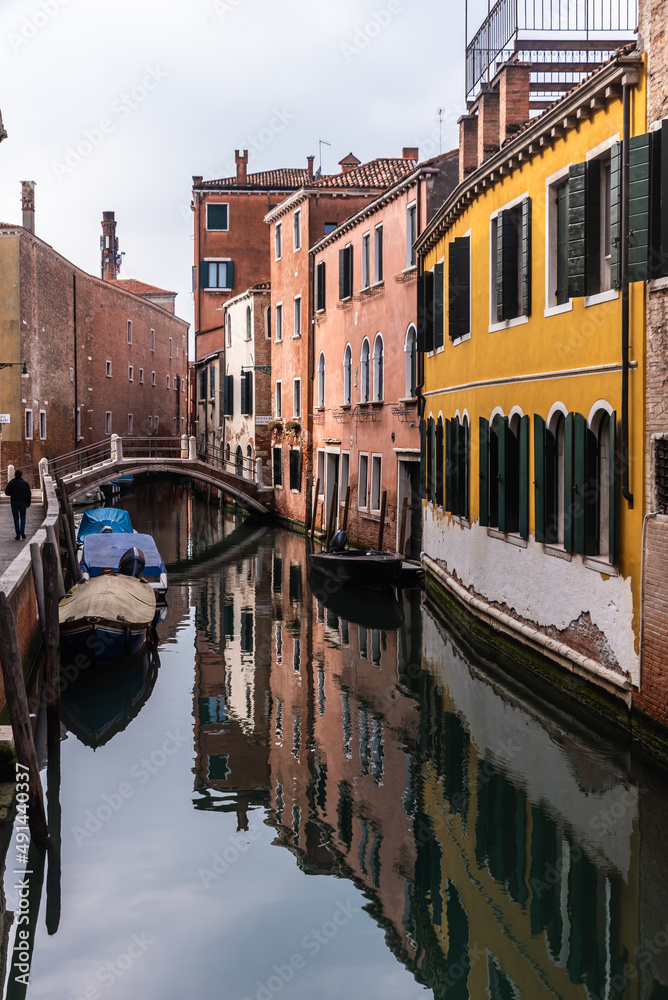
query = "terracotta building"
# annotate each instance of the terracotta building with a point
(365, 417)
(231, 245)
(295, 226)
(93, 358)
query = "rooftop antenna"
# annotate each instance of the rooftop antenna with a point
(321, 142)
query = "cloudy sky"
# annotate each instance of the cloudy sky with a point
(116, 106)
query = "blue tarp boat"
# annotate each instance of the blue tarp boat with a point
(101, 554)
(93, 521)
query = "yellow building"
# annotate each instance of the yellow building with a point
(533, 466)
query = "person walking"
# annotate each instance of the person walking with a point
(18, 491)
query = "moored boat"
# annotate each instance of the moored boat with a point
(353, 567)
(106, 618)
(101, 554)
(104, 519)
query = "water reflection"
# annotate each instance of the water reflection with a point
(496, 843)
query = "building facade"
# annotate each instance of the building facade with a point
(533, 431)
(366, 433)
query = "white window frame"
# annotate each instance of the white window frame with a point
(368, 371)
(206, 220)
(141, 376)
(378, 366)
(249, 323)
(131, 373)
(320, 471)
(321, 380)
(107, 422)
(28, 425)
(377, 277)
(411, 226)
(152, 341)
(278, 398)
(551, 184)
(376, 462)
(131, 424)
(296, 411)
(217, 288)
(175, 425)
(410, 352)
(297, 314)
(278, 332)
(363, 455)
(343, 485)
(366, 260)
(153, 379)
(278, 241)
(71, 374)
(108, 369)
(129, 331)
(42, 425)
(297, 230)
(506, 324)
(167, 381)
(348, 396)
(170, 348)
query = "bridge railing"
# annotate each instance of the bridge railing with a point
(250, 469)
(80, 458)
(152, 447)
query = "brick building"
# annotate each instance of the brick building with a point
(295, 226)
(231, 245)
(100, 359)
(365, 415)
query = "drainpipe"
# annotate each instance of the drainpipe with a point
(74, 332)
(627, 84)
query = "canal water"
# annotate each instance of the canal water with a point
(305, 795)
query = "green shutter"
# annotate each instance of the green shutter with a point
(483, 466)
(616, 215)
(456, 485)
(502, 473)
(562, 244)
(228, 390)
(349, 285)
(420, 314)
(423, 458)
(524, 477)
(551, 500)
(440, 456)
(230, 274)
(644, 200)
(592, 495)
(525, 256)
(465, 465)
(593, 227)
(432, 460)
(342, 273)
(507, 259)
(493, 478)
(662, 202)
(320, 285)
(459, 288)
(249, 393)
(428, 310)
(438, 305)
(613, 509)
(204, 274)
(539, 474)
(581, 453)
(448, 465)
(576, 230)
(568, 482)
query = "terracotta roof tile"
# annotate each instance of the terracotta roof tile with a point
(140, 287)
(284, 179)
(380, 173)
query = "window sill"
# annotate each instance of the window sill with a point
(595, 300)
(377, 402)
(347, 299)
(512, 539)
(558, 553)
(461, 340)
(345, 406)
(409, 269)
(600, 565)
(508, 324)
(216, 289)
(558, 310)
(320, 409)
(296, 336)
(408, 399)
(658, 284)
(463, 522)
(279, 340)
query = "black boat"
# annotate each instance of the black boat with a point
(360, 606)
(354, 567)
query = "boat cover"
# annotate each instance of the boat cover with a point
(94, 521)
(111, 599)
(104, 552)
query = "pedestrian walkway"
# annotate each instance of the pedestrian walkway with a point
(9, 547)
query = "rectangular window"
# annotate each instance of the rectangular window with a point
(78, 428)
(344, 476)
(218, 274)
(175, 425)
(278, 467)
(511, 263)
(459, 288)
(362, 482)
(153, 378)
(131, 423)
(108, 369)
(246, 393)
(279, 323)
(131, 373)
(170, 347)
(107, 422)
(129, 331)
(295, 468)
(212, 381)
(378, 254)
(411, 234)
(167, 381)
(457, 466)
(297, 326)
(183, 425)
(152, 340)
(320, 287)
(141, 376)
(28, 425)
(71, 374)
(228, 396)
(346, 272)
(320, 476)
(156, 423)
(556, 291)
(297, 230)
(278, 241)
(150, 425)
(366, 260)
(42, 425)
(175, 383)
(217, 218)
(297, 397)
(504, 474)
(330, 227)
(376, 481)
(279, 399)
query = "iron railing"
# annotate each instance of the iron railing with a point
(152, 447)
(510, 23)
(244, 468)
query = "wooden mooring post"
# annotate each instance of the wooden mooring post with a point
(332, 510)
(345, 510)
(52, 647)
(402, 531)
(315, 507)
(381, 526)
(19, 717)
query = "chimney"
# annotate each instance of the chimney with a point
(197, 179)
(110, 259)
(310, 160)
(468, 145)
(241, 162)
(349, 162)
(409, 153)
(514, 97)
(488, 123)
(28, 205)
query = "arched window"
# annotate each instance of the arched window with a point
(249, 462)
(378, 362)
(364, 372)
(239, 462)
(410, 347)
(321, 379)
(248, 323)
(605, 443)
(347, 375)
(554, 480)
